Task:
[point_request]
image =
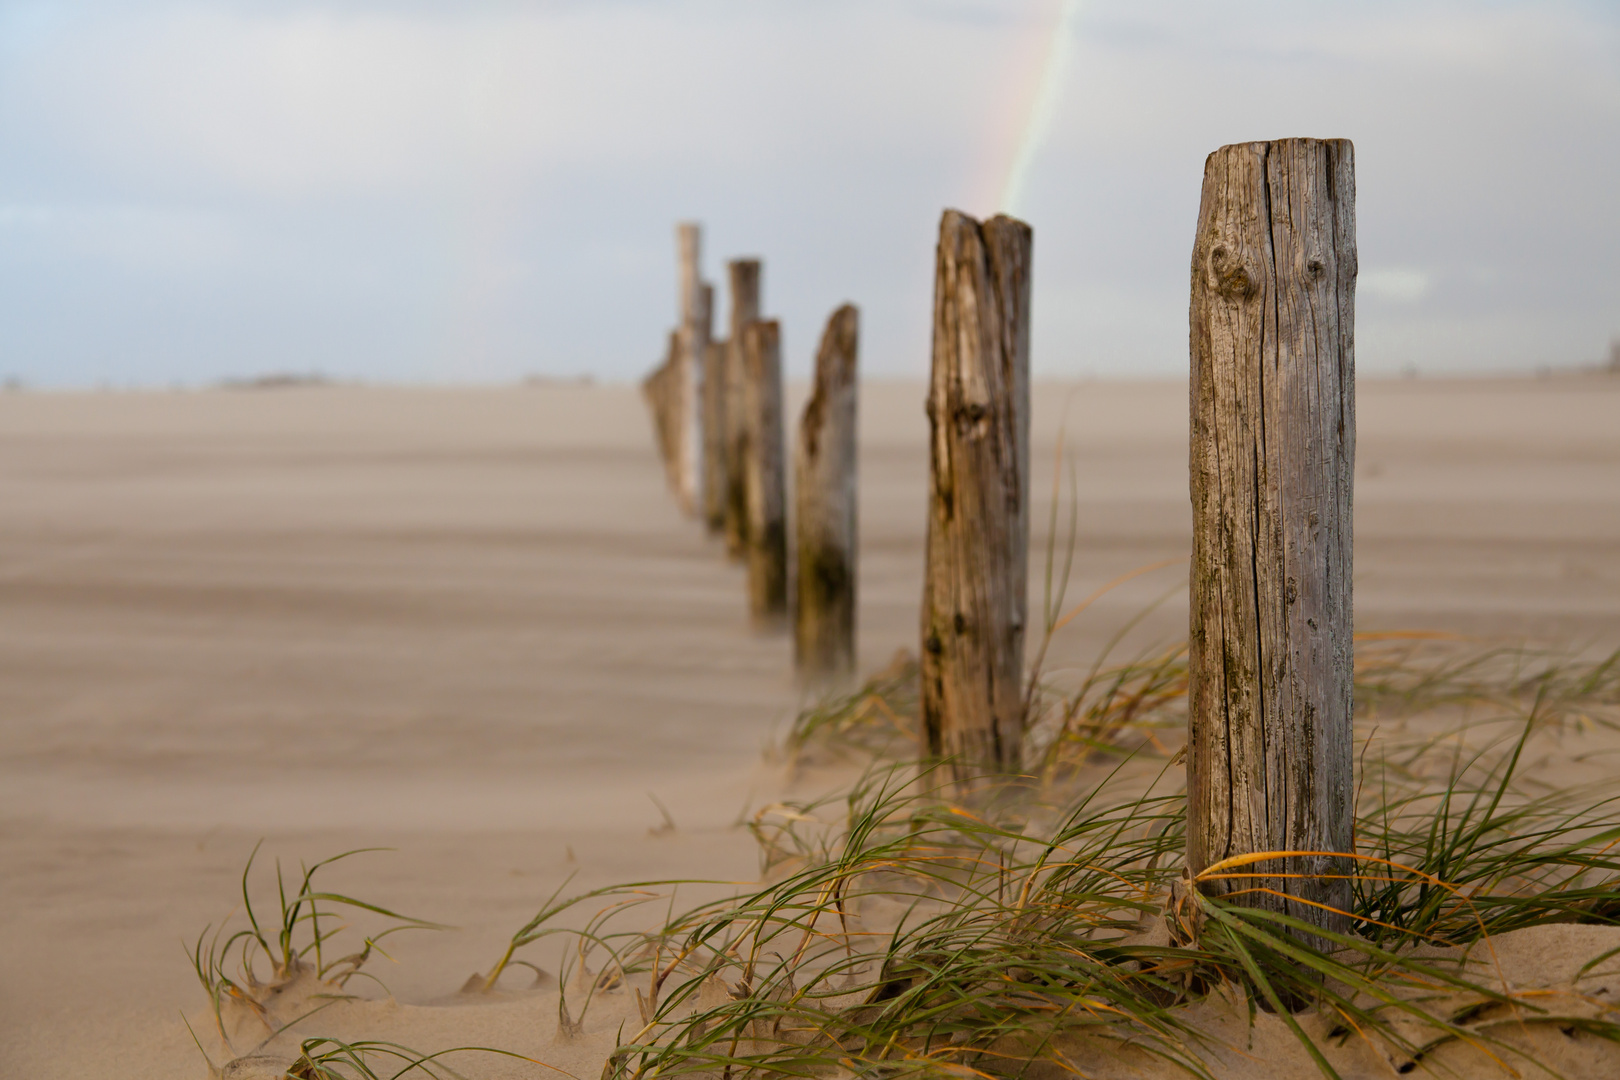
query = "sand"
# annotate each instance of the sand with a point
(471, 626)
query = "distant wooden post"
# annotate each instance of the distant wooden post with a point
(975, 580)
(1273, 451)
(744, 275)
(661, 389)
(714, 422)
(694, 337)
(763, 473)
(824, 521)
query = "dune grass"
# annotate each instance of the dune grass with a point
(1141, 704)
(335, 1059)
(295, 945)
(921, 937)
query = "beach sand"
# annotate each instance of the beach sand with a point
(471, 626)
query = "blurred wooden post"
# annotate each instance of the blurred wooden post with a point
(1269, 756)
(660, 390)
(744, 275)
(763, 473)
(824, 521)
(693, 344)
(714, 422)
(975, 579)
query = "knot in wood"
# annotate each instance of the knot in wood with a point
(1228, 276)
(970, 417)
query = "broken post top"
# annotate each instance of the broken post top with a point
(835, 356)
(689, 260)
(839, 336)
(1265, 201)
(835, 367)
(1261, 146)
(998, 252)
(1000, 232)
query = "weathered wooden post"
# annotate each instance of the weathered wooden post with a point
(715, 480)
(763, 472)
(694, 336)
(824, 519)
(744, 275)
(974, 585)
(1273, 450)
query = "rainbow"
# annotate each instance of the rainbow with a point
(1043, 107)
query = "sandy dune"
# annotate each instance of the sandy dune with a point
(470, 624)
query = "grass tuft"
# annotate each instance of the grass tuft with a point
(335, 1059)
(296, 946)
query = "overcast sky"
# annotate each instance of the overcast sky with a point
(476, 191)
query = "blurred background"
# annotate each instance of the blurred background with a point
(485, 190)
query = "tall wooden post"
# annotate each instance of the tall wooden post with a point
(975, 581)
(744, 279)
(693, 344)
(1273, 449)
(824, 521)
(767, 531)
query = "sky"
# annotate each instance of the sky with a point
(484, 190)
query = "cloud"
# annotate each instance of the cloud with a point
(1400, 284)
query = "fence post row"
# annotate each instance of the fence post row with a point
(824, 512)
(744, 276)
(975, 579)
(1272, 455)
(763, 472)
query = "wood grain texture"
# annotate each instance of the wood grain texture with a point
(764, 474)
(1270, 762)
(744, 279)
(975, 580)
(825, 512)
